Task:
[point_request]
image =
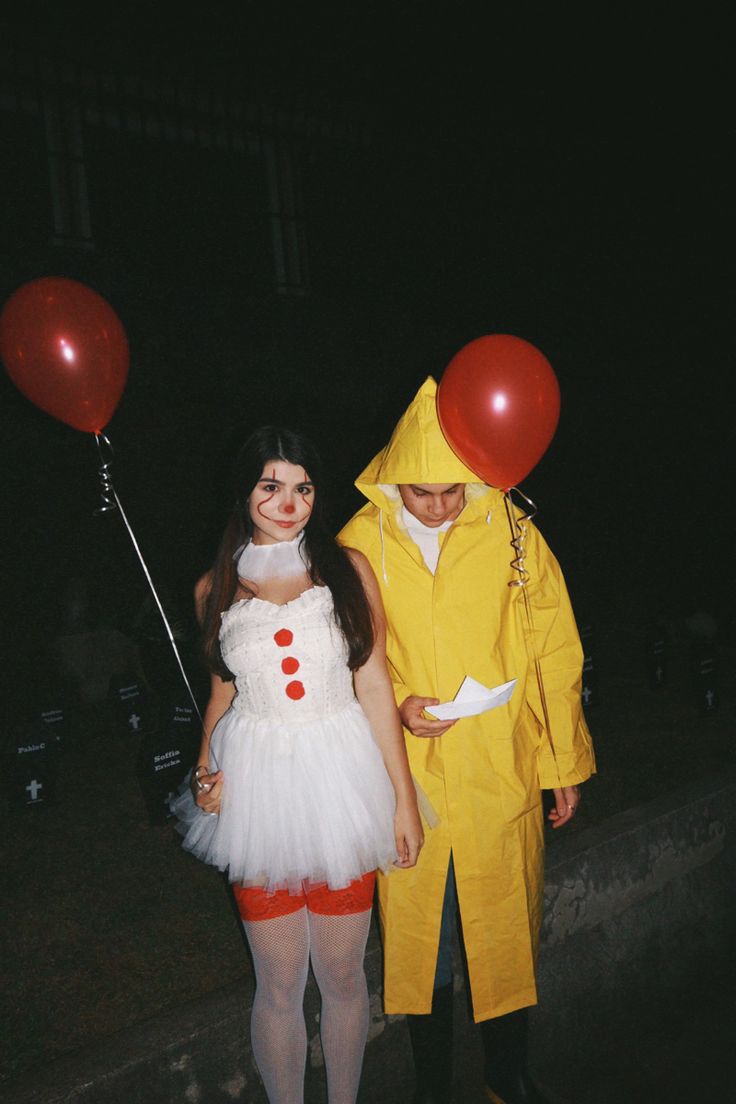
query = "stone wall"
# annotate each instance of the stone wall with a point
(637, 908)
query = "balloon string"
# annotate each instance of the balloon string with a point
(111, 501)
(108, 491)
(518, 528)
(518, 534)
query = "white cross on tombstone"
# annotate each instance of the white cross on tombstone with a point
(33, 787)
(134, 721)
(659, 673)
(709, 695)
(586, 694)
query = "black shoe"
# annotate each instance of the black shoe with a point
(505, 1043)
(431, 1045)
(523, 1091)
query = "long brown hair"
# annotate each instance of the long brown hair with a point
(328, 564)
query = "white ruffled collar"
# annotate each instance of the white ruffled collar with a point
(282, 560)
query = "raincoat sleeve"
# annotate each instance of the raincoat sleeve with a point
(565, 752)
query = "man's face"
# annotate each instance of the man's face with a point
(433, 503)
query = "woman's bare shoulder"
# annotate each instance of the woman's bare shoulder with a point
(361, 563)
(358, 560)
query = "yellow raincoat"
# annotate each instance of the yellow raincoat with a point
(484, 775)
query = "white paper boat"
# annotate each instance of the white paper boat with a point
(472, 698)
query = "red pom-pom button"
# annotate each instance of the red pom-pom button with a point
(295, 690)
(283, 637)
(290, 665)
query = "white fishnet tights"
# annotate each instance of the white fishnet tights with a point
(281, 949)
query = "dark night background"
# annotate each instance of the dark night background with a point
(458, 172)
(298, 212)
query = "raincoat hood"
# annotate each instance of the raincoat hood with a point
(416, 453)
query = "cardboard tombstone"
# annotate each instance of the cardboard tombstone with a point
(52, 718)
(705, 677)
(703, 630)
(657, 656)
(166, 754)
(589, 691)
(132, 705)
(34, 769)
(55, 719)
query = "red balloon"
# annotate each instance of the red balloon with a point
(65, 348)
(498, 403)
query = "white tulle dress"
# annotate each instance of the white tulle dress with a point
(306, 794)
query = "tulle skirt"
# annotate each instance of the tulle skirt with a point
(299, 801)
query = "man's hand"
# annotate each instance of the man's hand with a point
(411, 711)
(566, 802)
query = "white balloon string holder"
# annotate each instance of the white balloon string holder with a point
(518, 526)
(110, 501)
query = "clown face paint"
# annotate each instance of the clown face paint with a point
(433, 503)
(281, 502)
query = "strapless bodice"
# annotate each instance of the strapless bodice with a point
(289, 661)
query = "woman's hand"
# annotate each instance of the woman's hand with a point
(206, 789)
(409, 834)
(412, 717)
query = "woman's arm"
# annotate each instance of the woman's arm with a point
(374, 691)
(206, 787)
